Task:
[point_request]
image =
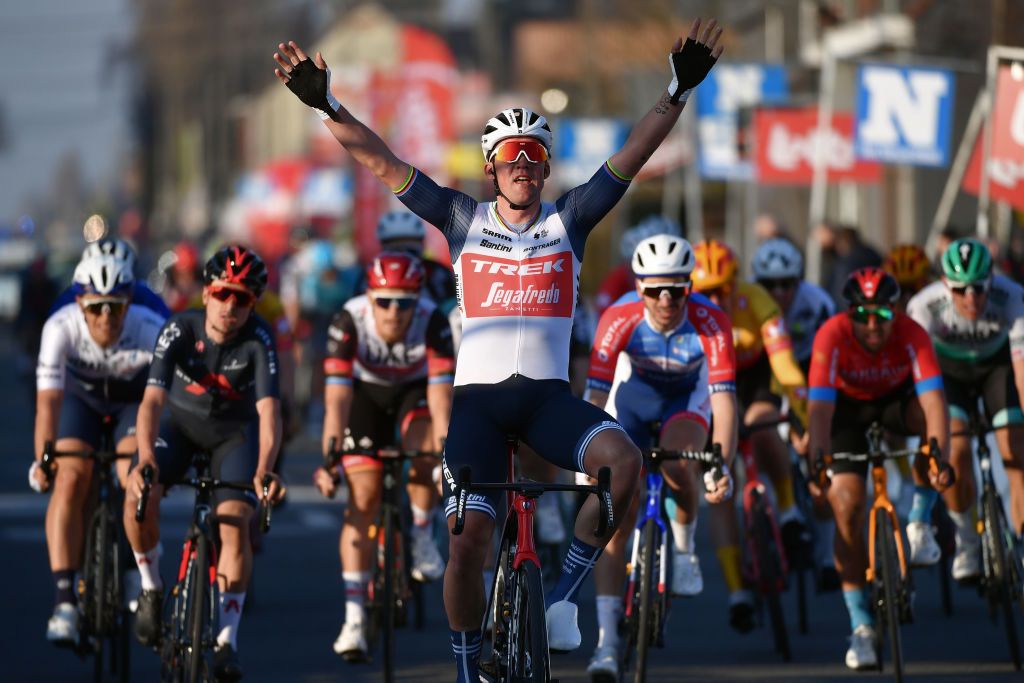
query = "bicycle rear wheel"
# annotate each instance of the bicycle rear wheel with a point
(770, 577)
(528, 658)
(891, 578)
(646, 628)
(1002, 574)
(198, 610)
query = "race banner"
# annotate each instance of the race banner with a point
(787, 141)
(904, 114)
(727, 90)
(1006, 157)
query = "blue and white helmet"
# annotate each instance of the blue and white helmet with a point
(400, 225)
(107, 268)
(777, 258)
(648, 227)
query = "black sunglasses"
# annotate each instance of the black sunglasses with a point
(961, 288)
(404, 303)
(779, 283)
(676, 290)
(241, 297)
(862, 314)
(114, 307)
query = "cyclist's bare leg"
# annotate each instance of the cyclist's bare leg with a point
(419, 437)
(356, 546)
(681, 477)
(771, 453)
(610, 571)
(145, 535)
(609, 448)
(65, 519)
(126, 445)
(848, 498)
(234, 561)
(464, 599)
(1011, 445)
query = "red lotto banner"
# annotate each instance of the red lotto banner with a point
(787, 141)
(1006, 156)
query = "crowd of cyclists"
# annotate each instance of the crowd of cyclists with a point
(412, 354)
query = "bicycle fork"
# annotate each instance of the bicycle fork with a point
(882, 502)
(754, 497)
(652, 510)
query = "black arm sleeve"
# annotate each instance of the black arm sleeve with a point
(175, 336)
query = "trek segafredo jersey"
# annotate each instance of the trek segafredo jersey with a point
(516, 285)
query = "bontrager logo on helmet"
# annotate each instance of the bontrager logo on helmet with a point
(871, 286)
(106, 268)
(237, 265)
(515, 122)
(394, 270)
(664, 255)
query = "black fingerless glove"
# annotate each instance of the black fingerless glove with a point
(312, 85)
(689, 67)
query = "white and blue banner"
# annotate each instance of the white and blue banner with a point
(728, 89)
(582, 145)
(904, 115)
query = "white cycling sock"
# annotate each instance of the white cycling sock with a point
(609, 610)
(683, 535)
(149, 568)
(965, 522)
(355, 596)
(231, 605)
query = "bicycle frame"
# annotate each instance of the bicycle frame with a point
(754, 492)
(879, 484)
(652, 511)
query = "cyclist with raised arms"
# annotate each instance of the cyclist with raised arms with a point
(389, 369)
(976, 320)
(764, 353)
(517, 262)
(217, 369)
(681, 372)
(872, 363)
(93, 360)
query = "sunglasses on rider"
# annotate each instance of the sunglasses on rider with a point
(242, 298)
(113, 306)
(404, 303)
(773, 284)
(676, 290)
(509, 151)
(862, 314)
(961, 288)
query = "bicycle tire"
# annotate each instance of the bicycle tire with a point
(197, 604)
(389, 598)
(995, 531)
(801, 602)
(891, 579)
(494, 617)
(646, 628)
(529, 659)
(770, 574)
(945, 535)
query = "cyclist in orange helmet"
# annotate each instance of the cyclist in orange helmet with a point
(909, 264)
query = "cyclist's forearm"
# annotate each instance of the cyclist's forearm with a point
(936, 418)
(646, 136)
(819, 425)
(337, 404)
(47, 416)
(439, 403)
(368, 148)
(725, 425)
(147, 423)
(269, 410)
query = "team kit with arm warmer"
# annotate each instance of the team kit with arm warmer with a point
(516, 287)
(212, 391)
(390, 379)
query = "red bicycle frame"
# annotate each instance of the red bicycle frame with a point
(755, 488)
(523, 508)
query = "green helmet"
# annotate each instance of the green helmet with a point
(967, 261)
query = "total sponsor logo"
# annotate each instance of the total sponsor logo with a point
(612, 335)
(495, 286)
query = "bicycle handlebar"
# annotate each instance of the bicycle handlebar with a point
(708, 459)
(823, 461)
(50, 453)
(265, 505)
(147, 479)
(745, 431)
(534, 489)
(334, 455)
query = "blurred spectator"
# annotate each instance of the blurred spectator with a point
(184, 281)
(37, 293)
(766, 227)
(843, 251)
(946, 237)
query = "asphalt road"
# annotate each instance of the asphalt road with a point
(296, 606)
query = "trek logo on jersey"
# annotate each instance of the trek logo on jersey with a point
(540, 286)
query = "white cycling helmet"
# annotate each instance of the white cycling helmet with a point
(512, 123)
(106, 268)
(777, 258)
(400, 225)
(664, 255)
(648, 227)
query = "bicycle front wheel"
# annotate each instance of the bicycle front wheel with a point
(389, 597)
(198, 610)
(646, 628)
(888, 572)
(1001, 573)
(770, 574)
(529, 659)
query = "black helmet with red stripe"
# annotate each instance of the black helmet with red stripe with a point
(239, 266)
(871, 287)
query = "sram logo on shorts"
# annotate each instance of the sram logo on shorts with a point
(540, 286)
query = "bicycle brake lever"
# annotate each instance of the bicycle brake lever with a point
(265, 505)
(147, 480)
(461, 496)
(46, 463)
(606, 516)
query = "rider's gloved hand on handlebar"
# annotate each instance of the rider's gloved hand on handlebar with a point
(718, 484)
(275, 489)
(325, 482)
(37, 478)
